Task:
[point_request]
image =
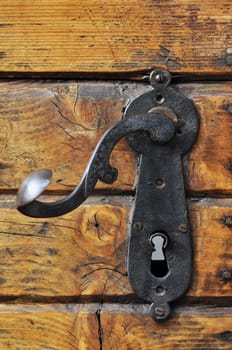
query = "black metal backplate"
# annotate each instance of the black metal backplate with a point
(161, 125)
(160, 205)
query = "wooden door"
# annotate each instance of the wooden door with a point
(68, 70)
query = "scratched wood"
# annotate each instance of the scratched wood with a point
(57, 125)
(84, 253)
(104, 36)
(110, 326)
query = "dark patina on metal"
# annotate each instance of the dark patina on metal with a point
(161, 125)
(160, 204)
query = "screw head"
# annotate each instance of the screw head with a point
(159, 311)
(159, 78)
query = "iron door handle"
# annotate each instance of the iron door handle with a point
(161, 125)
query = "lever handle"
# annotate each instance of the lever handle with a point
(162, 126)
(160, 129)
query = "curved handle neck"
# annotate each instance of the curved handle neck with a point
(160, 129)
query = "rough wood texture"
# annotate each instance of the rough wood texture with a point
(105, 36)
(129, 327)
(50, 327)
(84, 253)
(56, 125)
(209, 166)
(108, 326)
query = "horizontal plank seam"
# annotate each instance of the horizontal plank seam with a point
(124, 300)
(127, 193)
(128, 75)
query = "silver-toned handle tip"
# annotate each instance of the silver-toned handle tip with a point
(33, 186)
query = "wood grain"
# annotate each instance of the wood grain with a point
(200, 328)
(50, 327)
(110, 326)
(57, 125)
(105, 36)
(82, 256)
(84, 253)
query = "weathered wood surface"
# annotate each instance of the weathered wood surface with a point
(105, 36)
(50, 327)
(84, 253)
(190, 329)
(56, 125)
(109, 326)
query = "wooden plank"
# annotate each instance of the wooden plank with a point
(199, 328)
(57, 125)
(110, 326)
(50, 327)
(209, 167)
(104, 36)
(84, 253)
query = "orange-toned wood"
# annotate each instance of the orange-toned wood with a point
(52, 327)
(57, 125)
(128, 327)
(105, 36)
(209, 166)
(109, 326)
(84, 253)
(82, 256)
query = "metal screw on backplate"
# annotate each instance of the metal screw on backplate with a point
(138, 226)
(160, 290)
(160, 311)
(159, 183)
(159, 78)
(183, 228)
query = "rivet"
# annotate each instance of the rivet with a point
(183, 228)
(138, 226)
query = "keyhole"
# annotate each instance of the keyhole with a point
(159, 266)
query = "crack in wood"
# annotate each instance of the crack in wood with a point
(100, 330)
(64, 130)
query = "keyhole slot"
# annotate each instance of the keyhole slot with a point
(159, 266)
